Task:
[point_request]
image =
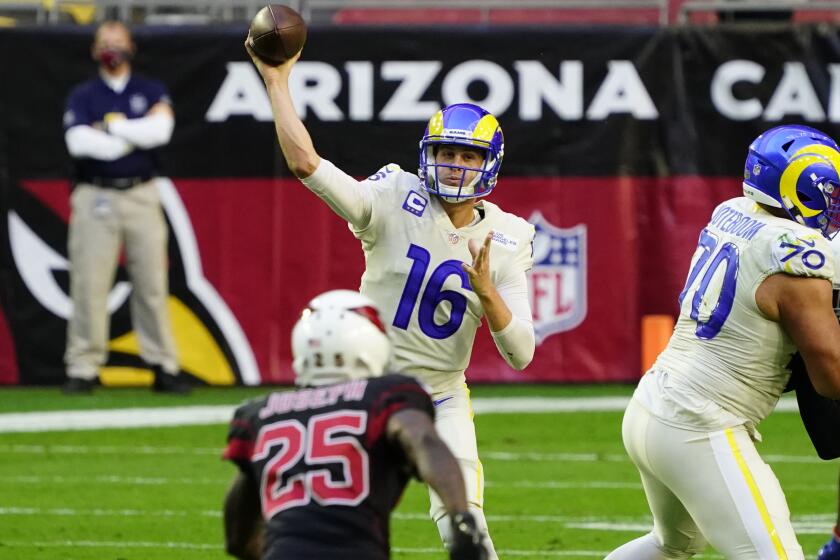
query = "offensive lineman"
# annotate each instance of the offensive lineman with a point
(427, 244)
(325, 465)
(759, 288)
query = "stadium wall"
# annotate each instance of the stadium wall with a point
(619, 143)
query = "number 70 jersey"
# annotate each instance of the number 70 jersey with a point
(723, 347)
(413, 271)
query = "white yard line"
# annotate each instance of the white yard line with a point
(112, 544)
(559, 485)
(29, 449)
(815, 524)
(590, 522)
(210, 546)
(805, 524)
(60, 420)
(429, 551)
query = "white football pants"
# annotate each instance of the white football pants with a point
(705, 487)
(454, 424)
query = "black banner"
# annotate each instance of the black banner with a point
(591, 102)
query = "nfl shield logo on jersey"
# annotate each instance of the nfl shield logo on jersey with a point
(558, 279)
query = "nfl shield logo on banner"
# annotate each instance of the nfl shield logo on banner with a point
(558, 279)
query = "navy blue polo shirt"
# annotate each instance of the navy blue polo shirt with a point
(90, 101)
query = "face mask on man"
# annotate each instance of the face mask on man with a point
(111, 58)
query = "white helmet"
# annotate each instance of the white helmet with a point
(339, 336)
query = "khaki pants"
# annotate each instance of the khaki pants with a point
(102, 221)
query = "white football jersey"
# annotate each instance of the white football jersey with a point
(726, 362)
(413, 257)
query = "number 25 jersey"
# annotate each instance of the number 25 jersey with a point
(723, 348)
(328, 475)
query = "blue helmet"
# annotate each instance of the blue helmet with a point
(462, 124)
(796, 168)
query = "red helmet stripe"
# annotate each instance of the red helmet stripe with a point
(371, 314)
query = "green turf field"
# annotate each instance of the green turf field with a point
(558, 485)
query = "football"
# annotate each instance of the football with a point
(277, 33)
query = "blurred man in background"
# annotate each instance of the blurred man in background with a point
(427, 241)
(112, 125)
(759, 288)
(321, 468)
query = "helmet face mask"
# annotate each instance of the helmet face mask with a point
(832, 214)
(468, 126)
(339, 337)
(797, 169)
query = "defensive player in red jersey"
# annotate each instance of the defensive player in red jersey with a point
(321, 468)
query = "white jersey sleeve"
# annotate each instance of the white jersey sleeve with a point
(348, 198)
(382, 188)
(516, 342)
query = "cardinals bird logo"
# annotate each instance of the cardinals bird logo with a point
(211, 344)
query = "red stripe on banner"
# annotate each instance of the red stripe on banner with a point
(55, 195)
(8, 357)
(641, 234)
(269, 245)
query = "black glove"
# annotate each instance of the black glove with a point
(798, 373)
(466, 539)
(820, 415)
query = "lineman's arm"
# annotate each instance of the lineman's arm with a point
(342, 193)
(803, 307)
(244, 525)
(506, 307)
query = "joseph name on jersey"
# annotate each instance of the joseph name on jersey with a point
(723, 349)
(413, 258)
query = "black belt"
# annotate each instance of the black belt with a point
(116, 182)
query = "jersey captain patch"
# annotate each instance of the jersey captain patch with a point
(415, 203)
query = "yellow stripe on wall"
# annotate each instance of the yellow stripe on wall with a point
(198, 352)
(118, 376)
(759, 501)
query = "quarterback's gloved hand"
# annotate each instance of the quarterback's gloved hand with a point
(466, 539)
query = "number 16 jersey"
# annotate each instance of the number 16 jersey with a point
(413, 258)
(723, 349)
